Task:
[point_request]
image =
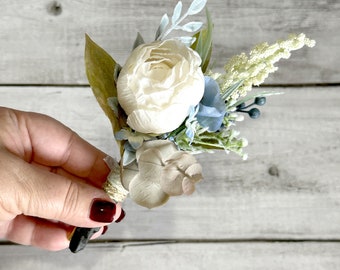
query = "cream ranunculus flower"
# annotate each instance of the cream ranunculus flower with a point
(163, 171)
(158, 84)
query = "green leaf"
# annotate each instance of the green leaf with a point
(231, 89)
(100, 69)
(196, 6)
(203, 44)
(138, 41)
(161, 28)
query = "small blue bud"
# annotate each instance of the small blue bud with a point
(260, 101)
(254, 113)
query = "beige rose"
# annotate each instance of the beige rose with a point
(158, 84)
(162, 171)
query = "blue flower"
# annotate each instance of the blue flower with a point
(191, 124)
(212, 108)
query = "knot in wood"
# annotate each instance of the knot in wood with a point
(273, 170)
(55, 8)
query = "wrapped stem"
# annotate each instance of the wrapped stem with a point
(113, 185)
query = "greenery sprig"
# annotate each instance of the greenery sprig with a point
(165, 28)
(242, 72)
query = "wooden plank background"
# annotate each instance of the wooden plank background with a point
(277, 210)
(44, 45)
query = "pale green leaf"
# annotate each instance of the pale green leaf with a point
(162, 25)
(203, 44)
(187, 41)
(114, 105)
(177, 13)
(192, 26)
(232, 89)
(116, 72)
(196, 6)
(128, 157)
(100, 68)
(138, 41)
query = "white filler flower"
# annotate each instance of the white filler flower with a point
(158, 84)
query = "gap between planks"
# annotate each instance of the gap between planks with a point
(293, 85)
(152, 242)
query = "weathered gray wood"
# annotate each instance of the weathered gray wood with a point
(40, 44)
(287, 189)
(219, 256)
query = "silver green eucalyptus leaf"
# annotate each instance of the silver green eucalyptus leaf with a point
(128, 157)
(113, 104)
(177, 13)
(121, 135)
(191, 27)
(187, 41)
(196, 6)
(163, 24)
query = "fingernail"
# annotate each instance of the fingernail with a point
(102, 211)
(122, 215)
(105, 228)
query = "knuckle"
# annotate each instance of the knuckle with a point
(71, 202)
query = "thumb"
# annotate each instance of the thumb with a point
(40, 193)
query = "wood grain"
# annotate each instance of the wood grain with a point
(43, 43)
(182, 256)
(277, 210)
(289, 188)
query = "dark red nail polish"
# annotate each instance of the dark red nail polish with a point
(102, 211)
(105, 228)
(122, 215)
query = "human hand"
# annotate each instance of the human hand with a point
(50, 182)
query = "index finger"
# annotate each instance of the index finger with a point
(53, 144)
